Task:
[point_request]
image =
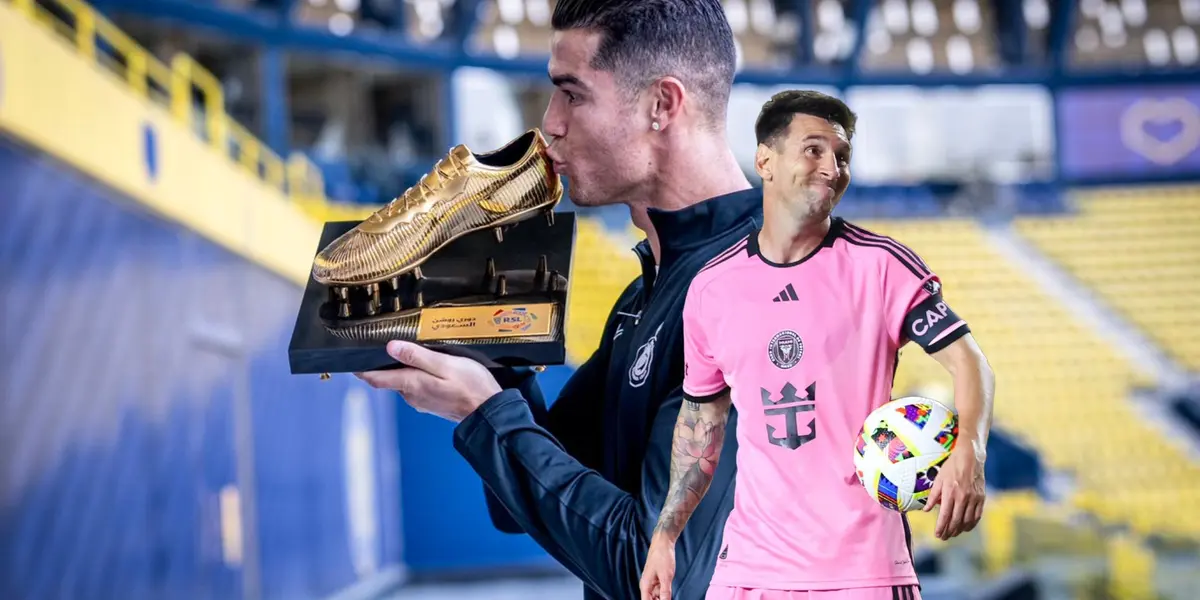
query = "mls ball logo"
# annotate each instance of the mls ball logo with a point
(933, 286)
(785, 349)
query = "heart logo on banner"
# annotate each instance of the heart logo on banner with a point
(1176, 113)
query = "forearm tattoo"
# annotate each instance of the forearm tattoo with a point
(695, 451)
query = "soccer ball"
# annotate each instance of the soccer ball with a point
(900, 448)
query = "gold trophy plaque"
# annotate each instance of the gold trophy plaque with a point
(461, 262)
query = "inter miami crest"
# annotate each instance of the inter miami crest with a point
(785, 349)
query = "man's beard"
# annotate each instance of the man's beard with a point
(813, 206)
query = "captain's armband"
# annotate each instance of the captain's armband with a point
(933, 325)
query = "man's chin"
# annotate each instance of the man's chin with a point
(583, 201)
(584, 197)
(823, 194)
(832, 202)
(818, 205)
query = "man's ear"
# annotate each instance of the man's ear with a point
(764, 162)
(668, 96)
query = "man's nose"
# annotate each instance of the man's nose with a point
(553, 124)
(828, 171)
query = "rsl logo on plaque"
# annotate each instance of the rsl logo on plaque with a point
(786, 349)
(513, 320)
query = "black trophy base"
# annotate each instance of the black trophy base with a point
(501, 302)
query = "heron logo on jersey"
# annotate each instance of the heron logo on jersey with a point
(785, 349)
(789, 406)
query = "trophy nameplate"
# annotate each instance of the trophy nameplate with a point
(499, 300)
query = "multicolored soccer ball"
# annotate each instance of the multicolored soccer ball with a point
(900, 449)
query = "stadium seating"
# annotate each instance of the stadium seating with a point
(925, 36)
(1058, 384)
(513, 29)
(595, 284)
(1135, 33)
(1140, 251)
(765, 31)
(112, 49)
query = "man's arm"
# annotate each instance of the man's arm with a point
(974, 391)
(696, 446)
(573, 417)
(572, 420)
(590, 526)
(695, 453)
(960, 488)
(925, 318)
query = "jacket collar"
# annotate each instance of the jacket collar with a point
(687, 228)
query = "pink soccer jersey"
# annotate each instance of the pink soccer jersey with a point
(808, 350)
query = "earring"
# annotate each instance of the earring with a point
(654, 125)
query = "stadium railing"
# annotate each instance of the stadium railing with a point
(193, 96)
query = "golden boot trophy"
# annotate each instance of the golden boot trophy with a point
(436, 266)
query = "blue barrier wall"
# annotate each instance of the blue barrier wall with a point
(154, 443)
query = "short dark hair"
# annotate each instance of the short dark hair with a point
(643, 40)
(777, 113)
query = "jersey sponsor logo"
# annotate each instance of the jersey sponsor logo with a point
(788, 407)
(639, 371)
(785, 349)
(788, 294)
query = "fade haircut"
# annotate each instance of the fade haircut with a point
(777, 113)
(643, 40)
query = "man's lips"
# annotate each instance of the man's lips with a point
(556, 162)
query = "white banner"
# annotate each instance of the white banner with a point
(909, 135)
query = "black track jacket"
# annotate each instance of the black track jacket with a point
(587, 479)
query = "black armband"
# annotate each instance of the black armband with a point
(933, 325)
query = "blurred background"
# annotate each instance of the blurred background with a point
(166, 165)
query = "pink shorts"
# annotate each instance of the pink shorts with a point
(898, 592)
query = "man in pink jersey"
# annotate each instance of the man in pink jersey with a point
(799, 326)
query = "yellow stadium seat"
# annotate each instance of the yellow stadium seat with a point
(603, 267)
(1131, 569)
(1139, 250)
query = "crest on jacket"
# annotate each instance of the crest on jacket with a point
(639, 371)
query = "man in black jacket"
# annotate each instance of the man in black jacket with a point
(638, 118)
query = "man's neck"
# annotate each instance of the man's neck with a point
(784, 238)
(691, 172)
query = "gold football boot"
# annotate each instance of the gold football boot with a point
(465, 192)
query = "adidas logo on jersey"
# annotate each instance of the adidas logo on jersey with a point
(787, 295)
